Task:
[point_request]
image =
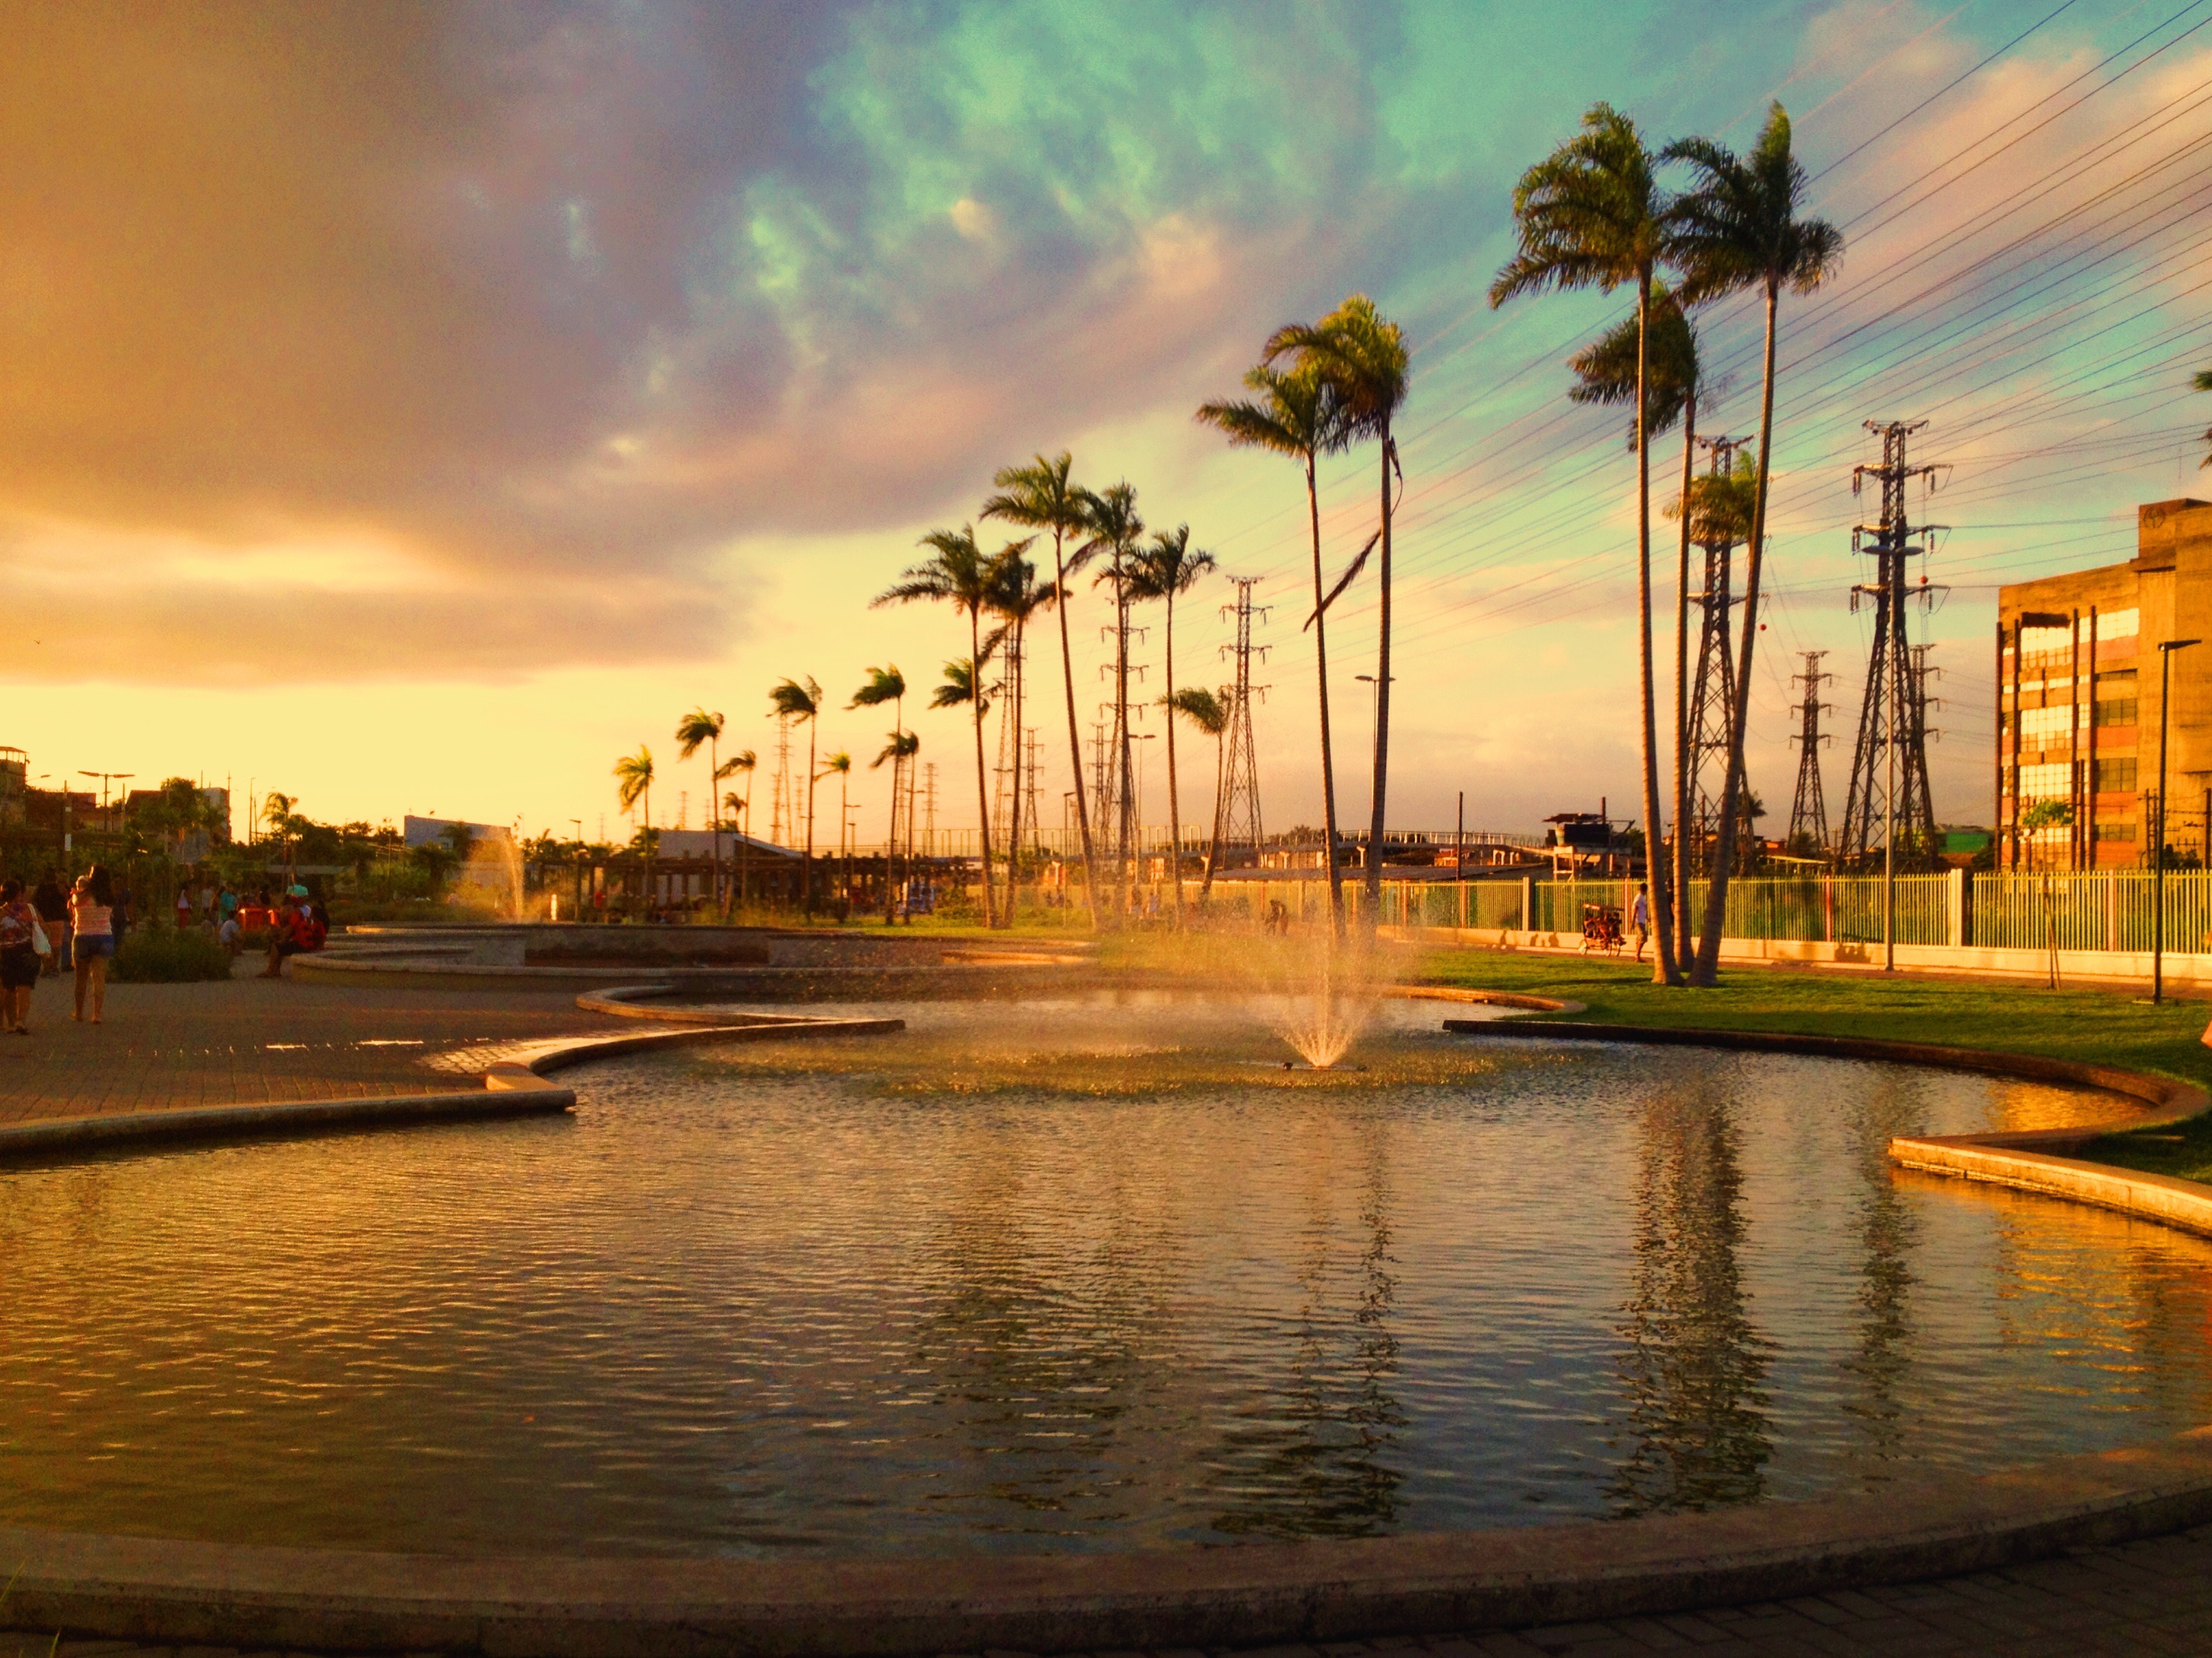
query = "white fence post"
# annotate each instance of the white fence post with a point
(1955, 930)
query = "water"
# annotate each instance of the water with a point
(1093, 1275)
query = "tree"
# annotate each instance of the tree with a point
(1738, 227)
(1210, 713)
(1364, 358)
(1115, 529)
(887, 685)
(2204, 383)
(1168, 567)
(696, 727)
(742, 761)
(900, 751)
(960, 573)
(963, 687)
(840, 765)
(802, 699)
(1592, 214)
(633, 783)
(1016, 596)
(1606, 373)
(1298, 415)
(1039, 497)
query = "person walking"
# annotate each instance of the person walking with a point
(92, 938)
(19, 957)
(51, 904)
(1639, 917)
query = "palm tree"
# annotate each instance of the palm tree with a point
(1604, 373)
(1364, 358)
(796, 699)
(963, 687)
(1016, 596)
(742, 761)
(840, 765)
(887, 685)
(1111, 516)
(1299, 414)
(2202, 382)
(900, 751)
(634, 782)
(1170, 567)
(958, 572)
(1739, 228)
(696, 727)
(1592, 214)
(1039, 497)
(1210, 713)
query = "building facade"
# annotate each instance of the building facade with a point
(2078, 659)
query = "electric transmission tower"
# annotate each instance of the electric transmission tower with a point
(1889, 794)
(1240, 785)
(777, 821)
(1713, 684)
(1118, 801)
(1919, 804)
(1808, 813)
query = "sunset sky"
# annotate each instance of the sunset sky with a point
(414, 408)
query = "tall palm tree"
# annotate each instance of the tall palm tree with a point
(796, 699)
(1604, 373)
(963, 687)
(742, 761)
(1738, 227)
(1210, 713)
(1592, 214)
(958, 572)
(1364, 357)
(1111, 516)
(1166, 570)
(887, 685)
(1298, 415)
(633, 783)
(1039, 497)
(900, 751)
(840, 766)
(1016, 596)
(696, 727)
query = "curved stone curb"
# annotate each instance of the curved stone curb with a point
(962, 977)
(1487, 998)
(171, 1591)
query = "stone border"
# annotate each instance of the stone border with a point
(167, 1591)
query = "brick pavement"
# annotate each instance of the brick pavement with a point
(2150, 1597)
(250, 1040)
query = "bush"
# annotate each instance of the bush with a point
(165, 956)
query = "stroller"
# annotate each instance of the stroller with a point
(1601, 928)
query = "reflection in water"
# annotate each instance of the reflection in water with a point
(1098, 1284)
(1322, 1449)
(1888, 1232)
(1695, 1421)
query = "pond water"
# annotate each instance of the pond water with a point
(1092, 1274)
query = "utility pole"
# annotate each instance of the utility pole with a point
(1240, 762)
(1712, 684)
(1808, 812)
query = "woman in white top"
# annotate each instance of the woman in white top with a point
(92, 932)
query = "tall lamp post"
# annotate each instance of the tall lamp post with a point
(2158, 842)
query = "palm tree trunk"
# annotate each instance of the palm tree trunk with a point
(1682, 732)
(1220, 777)
(714, 811)
(1328, 757)
(982, 786)
(1074, 734)
(1372, 909)
(806, 879)
(1655, 863)
(1020, 677)
(651, 874)
(1708, 967)
(1175, 801)
(746, 849)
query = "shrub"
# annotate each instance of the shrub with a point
(165, 956)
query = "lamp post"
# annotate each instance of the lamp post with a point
(2165, 651)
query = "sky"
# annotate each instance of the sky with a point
(414, 408)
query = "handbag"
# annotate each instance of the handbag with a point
(39, 942)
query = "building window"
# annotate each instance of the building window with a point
(2051, 783)
(2119, 624)
(2121, 711)
(2116, 831)
(2116, 776)
(2046, 728)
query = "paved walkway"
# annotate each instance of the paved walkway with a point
(2142, 1597)
(164, 1046)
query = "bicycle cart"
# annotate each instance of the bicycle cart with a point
(1601, 928)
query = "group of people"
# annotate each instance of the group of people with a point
(46, 932)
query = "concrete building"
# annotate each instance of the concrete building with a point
(2078, 701)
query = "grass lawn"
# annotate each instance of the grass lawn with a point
(2101, 1027)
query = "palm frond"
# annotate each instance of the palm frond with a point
(1351, 573)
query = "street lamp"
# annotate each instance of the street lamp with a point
(2165, 651)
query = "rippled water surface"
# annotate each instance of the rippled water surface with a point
(1082, 1275)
